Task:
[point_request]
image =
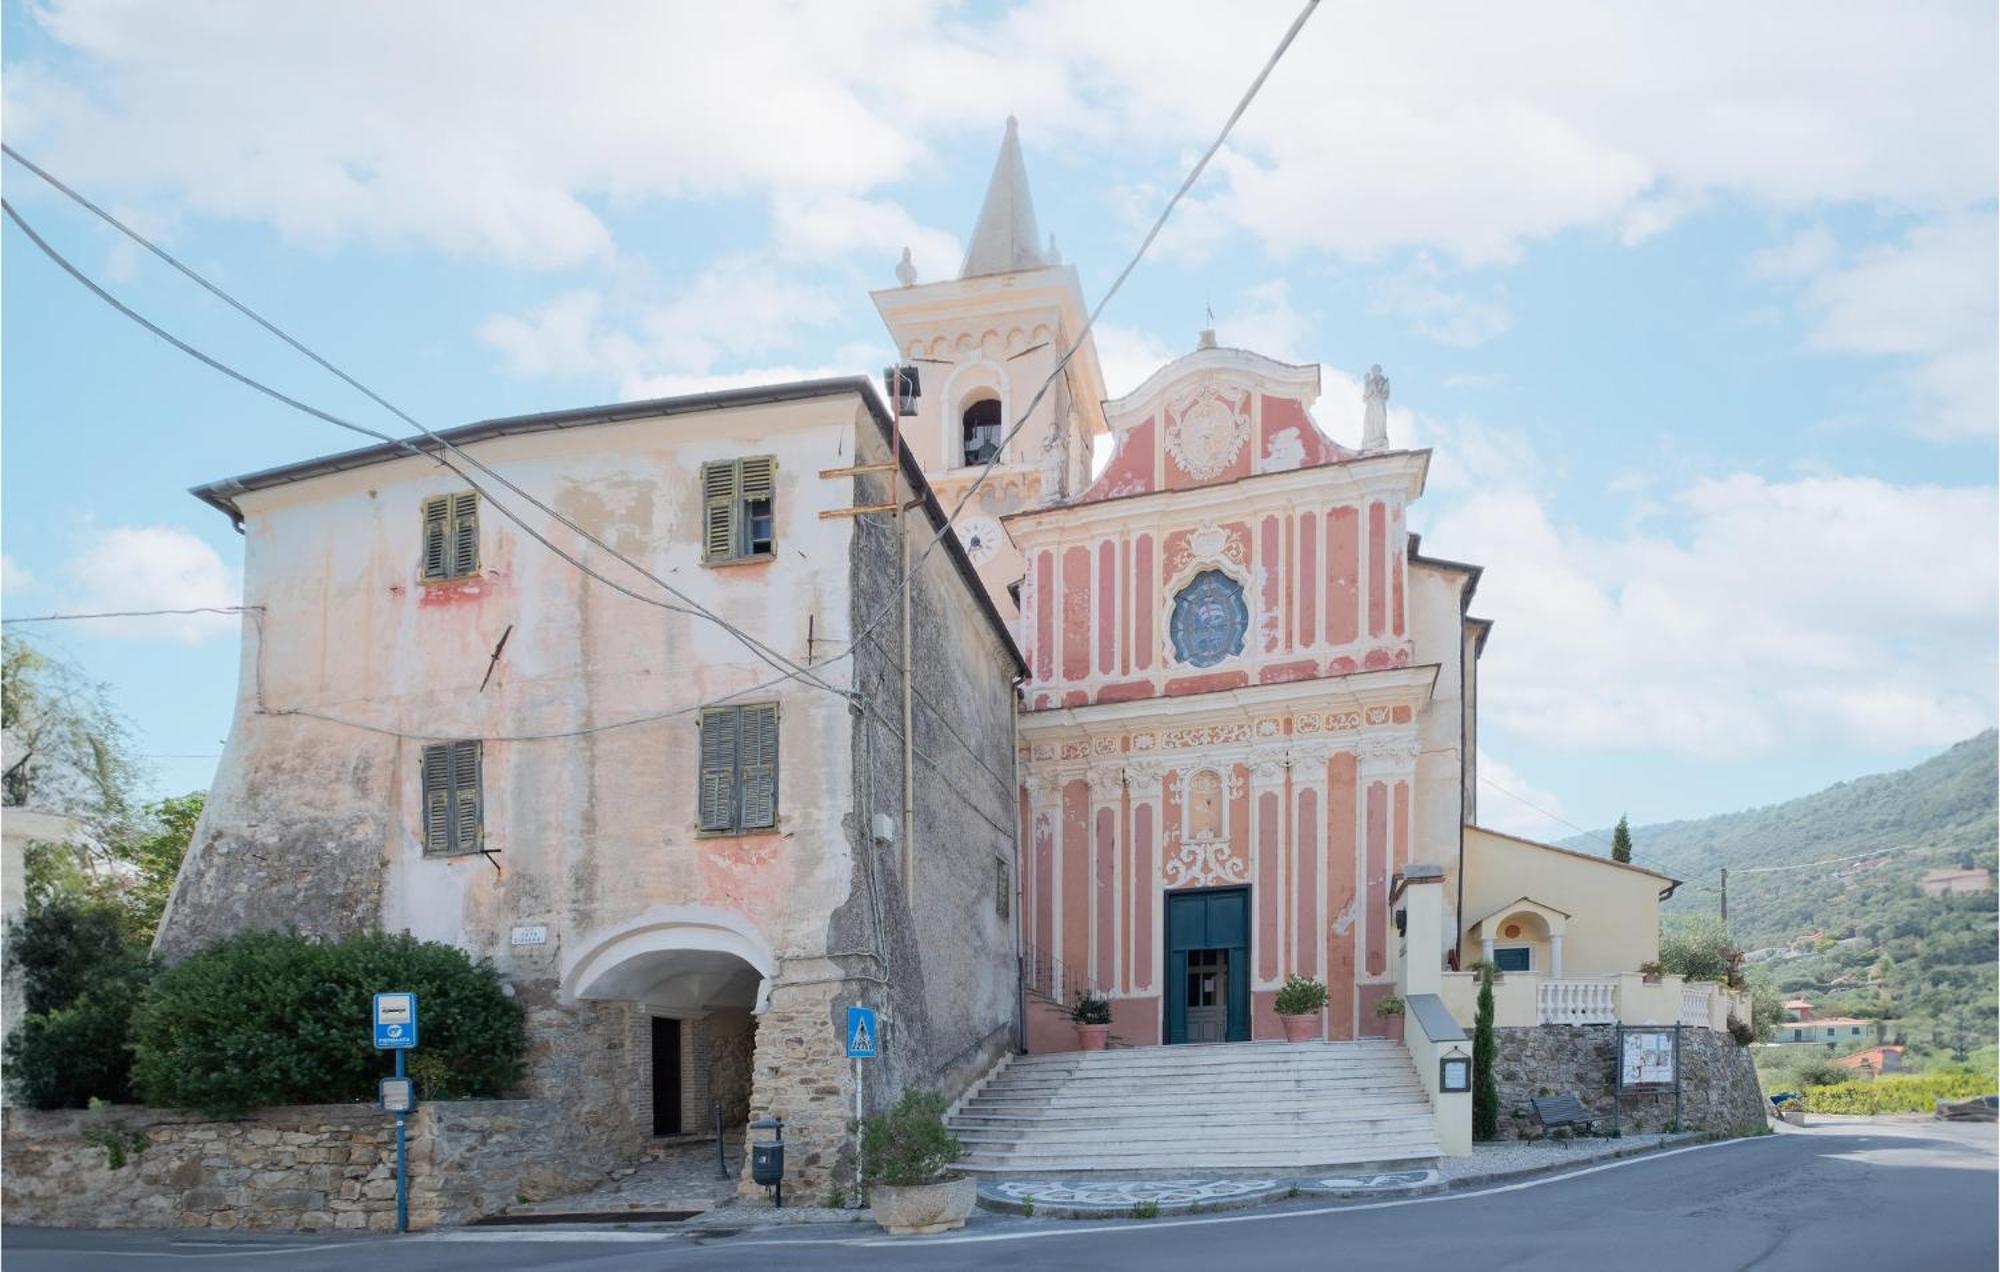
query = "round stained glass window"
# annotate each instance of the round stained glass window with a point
(1210, 619)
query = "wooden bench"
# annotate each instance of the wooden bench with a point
(1555, 1112)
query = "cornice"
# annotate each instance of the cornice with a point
(1389, 687)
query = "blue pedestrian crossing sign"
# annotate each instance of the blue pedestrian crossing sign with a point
(861, 1036)
(395, 1021)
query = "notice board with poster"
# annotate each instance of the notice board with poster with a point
(1649, 1062)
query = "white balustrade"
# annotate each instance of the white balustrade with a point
(1576, 1002)
(1694, 1006)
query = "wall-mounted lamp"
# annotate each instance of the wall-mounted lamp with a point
(1454, 1072)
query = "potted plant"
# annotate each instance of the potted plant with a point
(1093, 1020)
(1652, 971)
(906, 1160)
(1299, 1003)
(1484, 967)
(1390, 1012)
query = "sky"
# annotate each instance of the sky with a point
(1695, 302)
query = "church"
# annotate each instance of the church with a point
(1179, 710)
(1250, 698)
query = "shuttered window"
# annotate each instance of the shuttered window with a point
(451, 536)
(739, 768)
(737, 508)
(452, 803)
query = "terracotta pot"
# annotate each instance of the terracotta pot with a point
(1300, 1028)
(1391, 1027)
(924, 1208)
(1091, 1037)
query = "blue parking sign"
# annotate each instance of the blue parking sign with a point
(395, 1021)
(861, 1036)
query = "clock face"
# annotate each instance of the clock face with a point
(982, 537)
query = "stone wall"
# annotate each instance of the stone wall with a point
(308, 1168)
(1719, 1090)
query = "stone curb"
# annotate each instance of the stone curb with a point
(1060, 1210)
(1471, 1182)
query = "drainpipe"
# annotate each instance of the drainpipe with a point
(1014, 882)
(909, 739)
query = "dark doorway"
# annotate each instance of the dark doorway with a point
(666, 1076)
(1208, 965)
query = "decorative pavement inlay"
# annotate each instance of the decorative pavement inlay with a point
(1393, 1180)
(1124, 1194)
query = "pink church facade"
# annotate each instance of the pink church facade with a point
(1267, 749)
(1249, 698)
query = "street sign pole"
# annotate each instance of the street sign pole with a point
(402, 1161)
(857, 1133)
(863, 1041)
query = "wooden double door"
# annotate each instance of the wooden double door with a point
(1208, 965)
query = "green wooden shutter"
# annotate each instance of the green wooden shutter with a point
(437, 797)
(464, 534)
(756, 483)
(465, 793)
(719, 510)
(437, 513)
(718, 769)
(759, 741)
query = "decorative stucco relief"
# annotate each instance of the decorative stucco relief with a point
(1203, 864)
(1207, 430)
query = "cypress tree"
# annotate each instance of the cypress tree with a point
(1485, 1087)
(1621, 842)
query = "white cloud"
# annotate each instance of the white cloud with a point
(1928, 300)
(1752, 615)
(1418, 295)
(1263, 319)
(830, 224)
(736, 309)
(148, 568)
(1468, 129)
(1509, 804)
(1128, 355)
(15, 577)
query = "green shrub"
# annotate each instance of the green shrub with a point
(81, 979)
(1742, 1034)
(267, 1018)
(63, 1059)
(1698, 947)
(1300, 996)
(910, 1144)
(1821, 1071)
(1090, 1009)
(1897, 1092)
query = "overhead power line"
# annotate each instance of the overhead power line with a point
(152, 613)
(1062, 363)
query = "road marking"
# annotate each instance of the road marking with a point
(569, 1235)
(209, 1250)
(1076, 1229)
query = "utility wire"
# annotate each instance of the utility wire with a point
(771, 657)
(153, 613)
(694, 607)
(1807, 865)
(1062, 363)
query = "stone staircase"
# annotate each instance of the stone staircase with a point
(1244, 1106)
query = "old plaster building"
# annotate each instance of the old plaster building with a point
(686, 862)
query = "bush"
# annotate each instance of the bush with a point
(1299, 996)
(1821, 1071)
(1897, 1092)
(63, 1059)
(81, 980)
(909, 1145)
(266, 1018)
(1743, 1034)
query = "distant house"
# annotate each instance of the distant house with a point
(1954, 883)
(1874, 1060)
(1832, 1032)
(1798, 1009)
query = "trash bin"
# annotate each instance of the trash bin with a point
(767, 1160)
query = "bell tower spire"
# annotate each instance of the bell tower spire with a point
(1006, 237)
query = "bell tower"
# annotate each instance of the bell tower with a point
(983, 343)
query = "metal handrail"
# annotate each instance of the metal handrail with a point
(1047, 977)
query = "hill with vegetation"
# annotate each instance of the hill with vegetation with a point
(1824, 896)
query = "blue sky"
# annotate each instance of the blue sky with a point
(1696, 306)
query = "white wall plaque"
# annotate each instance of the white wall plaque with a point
(535, 935)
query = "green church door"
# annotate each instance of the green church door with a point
(1208, 965)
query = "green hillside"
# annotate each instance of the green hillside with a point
(1857, 936)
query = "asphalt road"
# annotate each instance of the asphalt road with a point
(1859, 1194)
